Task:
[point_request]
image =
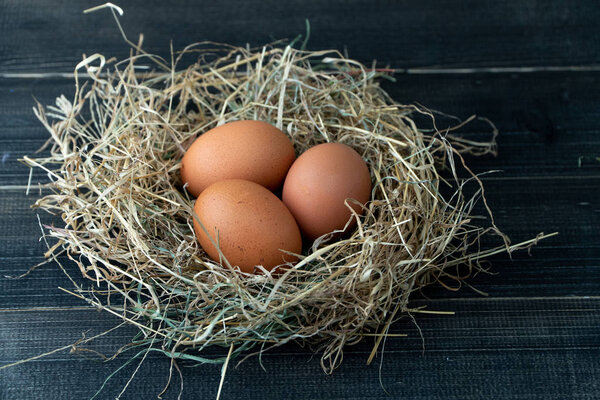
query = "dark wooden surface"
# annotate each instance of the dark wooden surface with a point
(529, 66)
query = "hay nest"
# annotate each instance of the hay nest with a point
(114, 180)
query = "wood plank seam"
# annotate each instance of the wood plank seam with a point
(404, 71)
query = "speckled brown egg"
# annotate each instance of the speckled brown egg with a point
(319, 182)
(250, 224)
(250, 150)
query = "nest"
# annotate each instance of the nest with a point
(115, 152)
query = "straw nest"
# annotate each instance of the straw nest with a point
(114, 181)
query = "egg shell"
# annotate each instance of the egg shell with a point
(319, 182)
(249, 223)
(251, 150)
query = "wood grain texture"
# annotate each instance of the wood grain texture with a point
(544, 103)
(536, 374)
(556, 267)
(489, 349)
(51, 36)
(547, 121)
(534, 337)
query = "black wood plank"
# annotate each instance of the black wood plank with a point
(39, 288)
(569, 206)
(521, 155)
(547, 120)
(502, 348)
(541, 103)
(563, 265)
(12, 171)
(477, 325)
(549, 271)
(50, 37)
(510, 375)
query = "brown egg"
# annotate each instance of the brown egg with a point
(250, 224)
(251, 150)
(319, 182)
